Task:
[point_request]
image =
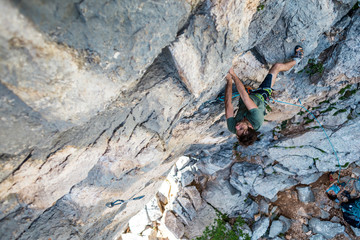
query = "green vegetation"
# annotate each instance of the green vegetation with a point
(313, 67)
(261, 7)
(283, 124)
(342, 91)
(343, 166)
(300, 113)
(319, 149)
(290, 147)
(350, 116)
(328, 109)
(309, 121)
(326, 101)
(268, 108)
(339, 111)
(356, 6)
(348, 93)
(219, 230)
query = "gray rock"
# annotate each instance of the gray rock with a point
(245, 230)
(305, 194)
(264, 207)
(188, 207)
(324, 214)
(173, 224)
(269, 170)
(317, 237)
(325, 228)
(357, 185)
(305, 228)
(249, 209)
(281, 169)
(356, 171)
(356, 231)
(113, 32)
(187, 177)
(204, 218)
(182, 213)
(243, 176)
(292, 159)
(270, 185)
(276, 228)
(194, 196)
(335, 219)
(218, 161)
(260, 228)
(310, 178)
(287, 223)
(228, 200)
(294, 33)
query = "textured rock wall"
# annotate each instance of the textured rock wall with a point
(99, 99)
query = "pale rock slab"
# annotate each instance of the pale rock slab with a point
(131, 236)
(182, 162)
(195, 197)
(153, 209)
(173, 224)
(247, 67)
(205, 217)
(182, 213)
(188, 207)
(138, 223)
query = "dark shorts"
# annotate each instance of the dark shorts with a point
(264, 90)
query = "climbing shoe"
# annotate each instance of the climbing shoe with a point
(298, 52)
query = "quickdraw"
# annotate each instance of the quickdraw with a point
(119, 201)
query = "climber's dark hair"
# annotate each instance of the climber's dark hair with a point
(249, 138)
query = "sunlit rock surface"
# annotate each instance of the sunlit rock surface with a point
(99, 100)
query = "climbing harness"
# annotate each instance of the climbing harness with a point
(273, 100)
(119, 201)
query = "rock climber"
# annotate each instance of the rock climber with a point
(250, 115)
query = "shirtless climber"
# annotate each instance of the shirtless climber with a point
(250, 115)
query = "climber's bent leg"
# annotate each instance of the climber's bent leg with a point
(280, 67)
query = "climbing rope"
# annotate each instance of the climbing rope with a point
(119, 201)
(273, 100)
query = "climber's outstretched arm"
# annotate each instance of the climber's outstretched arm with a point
(229, 109)
(242, 91)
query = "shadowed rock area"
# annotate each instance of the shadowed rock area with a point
(107, 100)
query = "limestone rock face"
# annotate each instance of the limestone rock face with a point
(98, 99)
(122, 38)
